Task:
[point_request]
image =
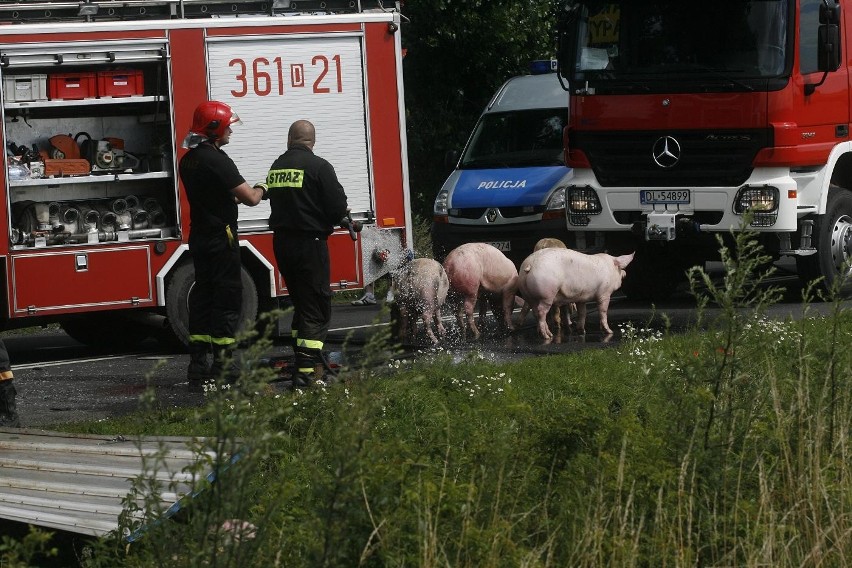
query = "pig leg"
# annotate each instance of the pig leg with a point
(403, 324)
(581, 317)
(508, 304)
(427, 316)
(565, 313)
(557, 317)
(541, 309)
(486, 302)
(525, 309)
(439, 324)
(603, 309)
(469, 305)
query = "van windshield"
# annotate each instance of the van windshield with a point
(517, 139)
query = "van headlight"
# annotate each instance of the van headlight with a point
(557, 199)
(441, 202)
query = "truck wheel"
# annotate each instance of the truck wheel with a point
(178, 290)
(106, 330)
(833, 238)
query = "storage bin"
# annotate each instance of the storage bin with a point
(72, 86)
(121, 83)
(25, 88)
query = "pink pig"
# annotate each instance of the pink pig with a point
(560, 313)
(420, 289)
(480, 271)
(554, 276)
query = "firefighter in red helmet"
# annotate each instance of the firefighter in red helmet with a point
(214, 187)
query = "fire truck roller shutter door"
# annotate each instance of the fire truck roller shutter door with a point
(178, 289)
(317, 77)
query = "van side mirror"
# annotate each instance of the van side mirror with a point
(828, 37)
(451, 159)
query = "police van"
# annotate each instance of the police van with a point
(508, 187)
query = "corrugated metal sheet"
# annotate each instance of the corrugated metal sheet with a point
(76, 482)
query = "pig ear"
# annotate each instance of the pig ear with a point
(623, 260)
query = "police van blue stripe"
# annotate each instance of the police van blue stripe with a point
(505, 187)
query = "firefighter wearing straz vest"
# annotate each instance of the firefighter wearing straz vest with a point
(307, 201)
(214, 187)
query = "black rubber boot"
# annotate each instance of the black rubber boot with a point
(8, 407)
(323, 375)
(225, 365)
(199, 369)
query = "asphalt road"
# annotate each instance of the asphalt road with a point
(60, 380)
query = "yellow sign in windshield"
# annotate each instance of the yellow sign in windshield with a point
(603, 26)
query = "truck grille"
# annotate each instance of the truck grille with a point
(707, 158)
(506, 212)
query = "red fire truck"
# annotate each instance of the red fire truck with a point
(96, 99)
(686, 115)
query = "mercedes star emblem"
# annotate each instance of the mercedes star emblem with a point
(666, 152)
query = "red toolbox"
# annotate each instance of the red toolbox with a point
(121, 83)
(72, 86)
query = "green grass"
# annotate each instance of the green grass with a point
(606, 457)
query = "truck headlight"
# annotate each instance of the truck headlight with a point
(762, 202)
(441, 202)
(583, 201)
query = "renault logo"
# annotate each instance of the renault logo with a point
(491, 215)
(666, 152)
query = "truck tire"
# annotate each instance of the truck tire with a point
(179, 288)
(833, 239)
(106, 330)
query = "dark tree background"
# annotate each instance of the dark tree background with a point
(457, 53)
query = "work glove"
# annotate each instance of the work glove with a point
(263, 187)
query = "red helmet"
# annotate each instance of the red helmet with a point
(212, 118)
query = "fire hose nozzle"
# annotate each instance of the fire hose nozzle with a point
(353, 226)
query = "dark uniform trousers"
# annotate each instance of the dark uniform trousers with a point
(304, 264)
(8, 406)
(216, 299)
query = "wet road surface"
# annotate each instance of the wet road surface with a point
(60, 380)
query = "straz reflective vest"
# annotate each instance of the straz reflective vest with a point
(304, 193)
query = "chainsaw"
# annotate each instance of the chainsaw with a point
(107, 154)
